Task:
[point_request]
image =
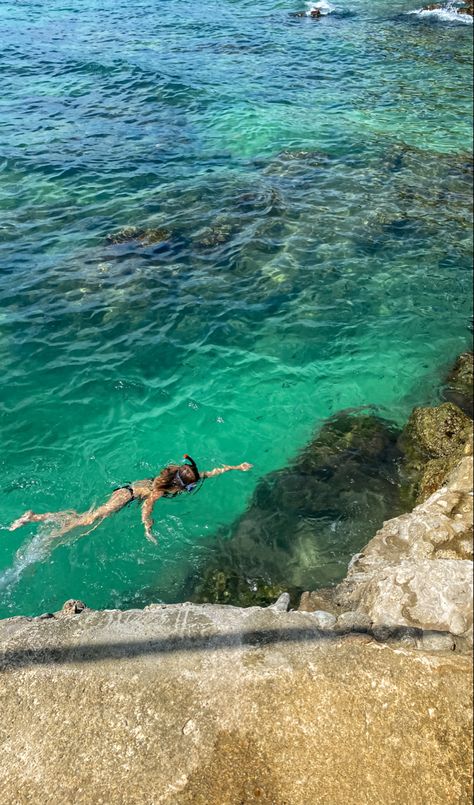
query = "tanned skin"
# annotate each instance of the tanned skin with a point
(171, 482)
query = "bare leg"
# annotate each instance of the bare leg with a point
(31, 517)
(71, 519)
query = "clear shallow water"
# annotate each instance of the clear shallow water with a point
(315, 180)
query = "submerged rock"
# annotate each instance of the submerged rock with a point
(215, 235)
(224, 586)
(315, 13)
(459, 384)
(433, 442)
(298, 164)
(436, 432)
(145, 237)
(304, 521)
(266, 200)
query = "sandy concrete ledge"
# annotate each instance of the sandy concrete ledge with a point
(215, 705)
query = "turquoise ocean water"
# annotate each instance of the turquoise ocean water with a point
(314, 179)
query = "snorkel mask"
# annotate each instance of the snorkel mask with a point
(188, 487)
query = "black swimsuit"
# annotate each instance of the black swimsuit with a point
(130, 489)
(186, 488)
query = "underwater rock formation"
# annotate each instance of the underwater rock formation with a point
(219, 233)
(467, 8)
(304, 520)
(145, 237)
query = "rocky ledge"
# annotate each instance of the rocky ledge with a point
(218, 705)
(414, 578)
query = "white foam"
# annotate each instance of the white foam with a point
(322, 5)
(36, 550)
(447, 14)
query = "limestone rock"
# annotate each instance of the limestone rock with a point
(467, 8)
(318, 599)
(354, 622)
(436, 432)
(416, 571)
(213, 705)
(434, 594)
(324, 620)
(436, 641)
(73, 607)
(282, 603)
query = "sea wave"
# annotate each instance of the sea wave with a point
(322, 5)
(448, 13)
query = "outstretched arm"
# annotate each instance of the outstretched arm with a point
(147, 510)
(226, 468)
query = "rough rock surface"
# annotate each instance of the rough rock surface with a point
(214, 705)
(433, 441)
(466, 8)
(416, 571)
(459, 384)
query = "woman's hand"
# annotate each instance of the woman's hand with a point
(226, 468)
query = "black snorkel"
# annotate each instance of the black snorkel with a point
(192, 486)
(193, 465)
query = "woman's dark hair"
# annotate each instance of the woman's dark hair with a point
(169, 478)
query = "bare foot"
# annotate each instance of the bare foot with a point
(25, 518)
(150, 537)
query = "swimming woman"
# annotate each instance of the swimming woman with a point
(172, 480)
